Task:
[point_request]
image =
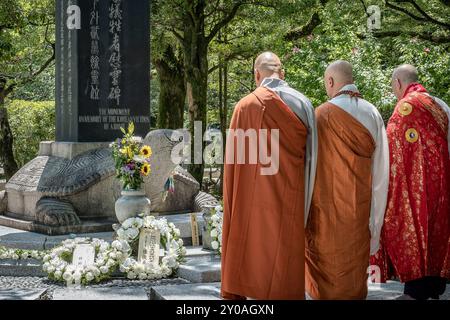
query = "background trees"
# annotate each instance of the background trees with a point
(203, 53)
(26, 51)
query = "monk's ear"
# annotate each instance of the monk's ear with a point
(257, 75)
(331, 82)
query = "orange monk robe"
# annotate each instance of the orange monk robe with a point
(348, 203)
(263, 227)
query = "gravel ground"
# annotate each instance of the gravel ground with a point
(38, 282)
(44, 283)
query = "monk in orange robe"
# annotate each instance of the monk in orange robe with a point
(265, 202)
(416, 233)
(350, 193)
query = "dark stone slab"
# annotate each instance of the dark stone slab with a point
(21, 294)
(102, 69)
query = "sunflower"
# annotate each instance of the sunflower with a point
(146, 151)
(145, 170)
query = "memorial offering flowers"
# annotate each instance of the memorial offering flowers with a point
(59, 264)
(172, 253)
(21, 254)
(132, 160)
(215, 229)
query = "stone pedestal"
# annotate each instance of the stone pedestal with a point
(71, 187)
(68, 150)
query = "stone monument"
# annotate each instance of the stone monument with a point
(102, 84)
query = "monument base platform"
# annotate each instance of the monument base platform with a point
(86, 226)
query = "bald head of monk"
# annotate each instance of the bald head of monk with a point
(338, 74)
(402, 77)
(268, 65)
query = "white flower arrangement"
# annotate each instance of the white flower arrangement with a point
(174, 251)
(21, 254)
(58, 262)
(215, 229)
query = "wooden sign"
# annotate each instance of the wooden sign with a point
(149, 250)
(83, 256)
(194, 230)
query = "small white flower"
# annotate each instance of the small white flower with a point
(138, 223)
(170, 261)
(139, 267)
(95, 271)
(121, 234)
(214, 233)
(132, 233)
(57, 275)
(142, 276)
(117, 245)
(127, 223)
(218, 208)
(67, 276)
(131, 275)
(118, 255)
(77, 276)
(89, 276)
(104, 246)
(215, 245)
(104, 269)
(139, 159)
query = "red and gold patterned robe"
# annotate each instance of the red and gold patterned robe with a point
(415, 236)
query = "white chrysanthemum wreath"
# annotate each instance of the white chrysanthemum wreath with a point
(170, 241)
(21, 254)
(215, 229)
(58, 263)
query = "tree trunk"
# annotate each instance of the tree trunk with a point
(195, 46)
(172, 94)
(224, 119)
(6, 139)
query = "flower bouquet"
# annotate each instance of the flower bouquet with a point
(132, 160)
(132, 163)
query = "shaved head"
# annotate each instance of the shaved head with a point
(406, 73)
(338, 74)
(341, 70)
(402, 77)
(267, 64)
(268, 61)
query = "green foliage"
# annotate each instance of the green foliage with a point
(31, 123)
(27, 29)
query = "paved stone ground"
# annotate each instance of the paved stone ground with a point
(199, 277)
(36, 288)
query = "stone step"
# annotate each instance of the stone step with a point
(21, 294)
(21, 268)
(201, 269)
(183, 222)
(197, 291)
(112, 293)
(19, 239)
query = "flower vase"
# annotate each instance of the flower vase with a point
(131, 204)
